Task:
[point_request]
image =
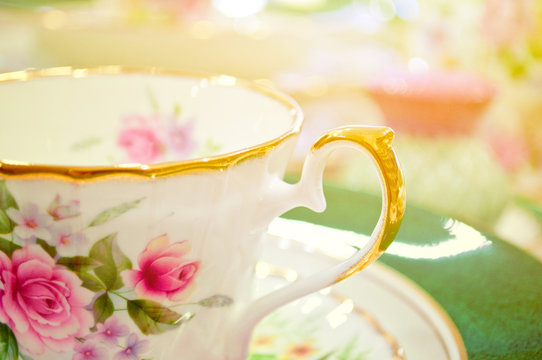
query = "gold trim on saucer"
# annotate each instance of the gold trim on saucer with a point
(218, 162)
(459, 343)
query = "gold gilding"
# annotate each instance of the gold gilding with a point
(217, 162)
(377, 141)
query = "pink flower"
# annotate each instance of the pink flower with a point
(43, 303)
(510, 150)
(60, 211)
(164, 272)
(5, 267)
(31, 224)
(67, 242)
(133, 350)
(501, 16)
(89, 351)
(141, 139)
(110, 331)
(180, 138)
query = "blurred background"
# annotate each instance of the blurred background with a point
(459, 81)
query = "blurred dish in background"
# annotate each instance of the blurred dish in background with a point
(431, 102)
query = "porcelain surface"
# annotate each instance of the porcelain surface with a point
(155, 258)
(141, 117)
(491, 289)
(390, 317)
(322, 325)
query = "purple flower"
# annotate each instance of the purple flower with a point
(31, 224)
(133, 350)
(89, 351)
(180, 137)
(66, 242)
(60, 211)
(110, 331)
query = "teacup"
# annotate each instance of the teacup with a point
(133, 204)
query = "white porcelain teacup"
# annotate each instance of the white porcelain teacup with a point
(132, 207)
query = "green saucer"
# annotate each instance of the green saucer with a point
(491, 289)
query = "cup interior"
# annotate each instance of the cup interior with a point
(93, 118)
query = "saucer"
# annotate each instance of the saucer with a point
(377, 314)
(324, 325)
(491, 289)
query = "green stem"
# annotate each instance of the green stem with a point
(119, 295)
(182, 304)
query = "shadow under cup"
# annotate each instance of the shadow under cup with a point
(132, 205)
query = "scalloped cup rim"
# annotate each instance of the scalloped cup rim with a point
(221, 160)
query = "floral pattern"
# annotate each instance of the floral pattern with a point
(31, 224)
(301, 331)
(133, 348)
(110, 331)
(146, 137)
(57, 284)
(89, 351)
(42, 303)
(157, 137)
(165, 272)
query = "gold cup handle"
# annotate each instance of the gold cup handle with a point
(377, 142)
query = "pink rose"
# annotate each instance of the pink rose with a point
(43, 303)
(164, 273)
(140, 138)
(5, 267)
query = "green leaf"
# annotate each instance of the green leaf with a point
(49, 249)
(153, 318)
(86, 143)
(107, 253)
(9, 350)
(78, 264)
(24, 357)
(8, 247)
(152, 100)
(91, 282)
(30, 4)
(6, 225)
(350, 351)
(326, 356)
(216, 301)
(114, 212)
(81, 265)
(109, 276)
(263, 357)
(6, 199)
(177, 110)
(103, 308)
